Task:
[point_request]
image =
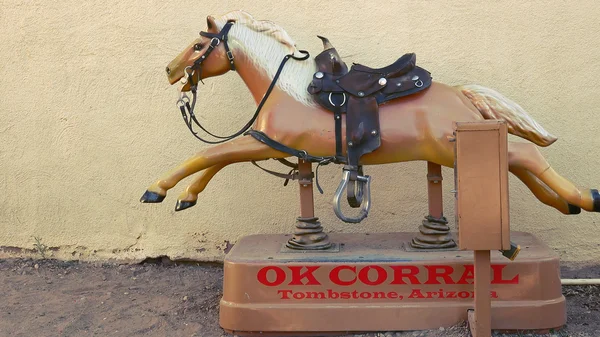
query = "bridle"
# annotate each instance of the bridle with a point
(194, 73)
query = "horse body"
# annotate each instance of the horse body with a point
(414, 127)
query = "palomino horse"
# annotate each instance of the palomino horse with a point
(415, 127)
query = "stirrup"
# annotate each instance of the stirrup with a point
(364, 185)
(354, 192)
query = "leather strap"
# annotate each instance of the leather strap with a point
(338, 100)
(287, 163)
(338, 133)
(221, 36)
(186, 108)
(292, 175)
(263, 138)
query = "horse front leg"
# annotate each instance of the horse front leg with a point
(189, 197)
(238, 150)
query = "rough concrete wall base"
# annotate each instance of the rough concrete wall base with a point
(88, 119)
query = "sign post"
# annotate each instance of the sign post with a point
(482, 206)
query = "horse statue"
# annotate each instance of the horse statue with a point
(293, 120)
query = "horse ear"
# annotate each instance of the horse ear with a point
(210, 23)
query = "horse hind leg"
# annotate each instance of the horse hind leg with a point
(543, 193)
(526, 159)
(588, 199)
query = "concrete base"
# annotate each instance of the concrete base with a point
(374, 283)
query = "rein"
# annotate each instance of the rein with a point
(187, 107)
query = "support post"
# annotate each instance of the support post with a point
(480, 320)
(307, 202)
(434, 232)
(434, 190)
(308, 234)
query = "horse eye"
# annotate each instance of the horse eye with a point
(198, 47)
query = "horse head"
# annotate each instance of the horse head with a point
(207, 56)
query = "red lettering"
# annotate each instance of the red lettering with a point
(468, 274)
(334, 275)
(299, 295)
(464, 294)
(298, 276)
(434, 272)
(345, 295)
(355, 294)
(365, 295)
(332, 294)
(416, 293)
(409, 272)
(284, 294)
(315, 294)
(392, 294)
(493, 294)
(363, 275)
(379, 294)
(497, 275)
(279, 276)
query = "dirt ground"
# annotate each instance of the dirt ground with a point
(163, 298)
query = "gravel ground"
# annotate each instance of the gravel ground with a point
(162, 298)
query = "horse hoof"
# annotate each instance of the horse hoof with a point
(181, 205)
(151, 197)
(596, 198)
(574, 209)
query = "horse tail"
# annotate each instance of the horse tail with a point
(493, 105)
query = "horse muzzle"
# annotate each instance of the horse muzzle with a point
(173, 74)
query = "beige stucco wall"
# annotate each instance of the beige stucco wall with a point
(87, 118)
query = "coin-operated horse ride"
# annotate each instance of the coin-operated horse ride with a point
(321, 111)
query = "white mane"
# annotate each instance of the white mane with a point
(265, 43)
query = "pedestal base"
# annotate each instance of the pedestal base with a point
(375, 284)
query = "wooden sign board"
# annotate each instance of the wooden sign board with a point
(481, 169)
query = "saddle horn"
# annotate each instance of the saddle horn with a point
(329, 61)
(326, 43)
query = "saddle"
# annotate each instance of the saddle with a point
(358, 92)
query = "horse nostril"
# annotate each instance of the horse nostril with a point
(168, 71)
